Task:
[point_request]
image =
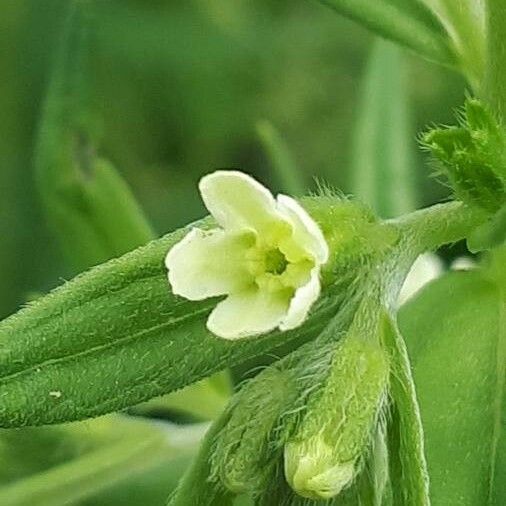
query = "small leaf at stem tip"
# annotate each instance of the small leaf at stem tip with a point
(472, 156)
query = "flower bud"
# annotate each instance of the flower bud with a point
(244, 452)
(327, 450)
(309, 469)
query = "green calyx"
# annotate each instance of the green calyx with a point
(244, 452)
(472, 156)
(354, 234)
(327, 450)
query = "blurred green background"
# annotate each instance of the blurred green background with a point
(179, 86)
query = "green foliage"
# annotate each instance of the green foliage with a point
(204, 400)
(283, 164)
(359, 238)
(263, 413)
(324, 454)
(493, 83)
(116, 336)
(456, 337)
(150, 488)
(382, 160)
(472, 156)
(407, 22)
(490, 234)
(245, 452)
(66, 465)
(89, 206)
(407, 467)
(195, 487)
(465, 23)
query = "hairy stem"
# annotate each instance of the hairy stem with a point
(430, 228)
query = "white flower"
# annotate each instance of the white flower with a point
(266, 257)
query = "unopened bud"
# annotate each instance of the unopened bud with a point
(243, 456)
(327, 450)
(307, 467)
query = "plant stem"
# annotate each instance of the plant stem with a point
(430, 228)
(495, 89)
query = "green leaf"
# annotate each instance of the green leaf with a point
(493, 88)
(407, 22)
(121, 448)
(116, 336)
(150, 488)
(455, 330)
(489, 235)
(472, 156)
(195, 486)
(465, 24)
(88, 205)
(382, 163)
(282, 161)
(203, 400)
(408, 468)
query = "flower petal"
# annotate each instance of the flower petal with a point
(306, 233)
(237, 201)
(301, 303)
(248, 313)
(207, 264)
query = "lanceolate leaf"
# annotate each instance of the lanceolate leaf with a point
(408, 469)
(383, 174)
(118, 448)
(456, 335)
(195, 486)
(282, 161)
(465, 24)
(88, 205)
(114, 337)
(407, 22)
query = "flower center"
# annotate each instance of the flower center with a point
(275, 262)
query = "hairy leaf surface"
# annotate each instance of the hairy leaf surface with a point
(456, 336)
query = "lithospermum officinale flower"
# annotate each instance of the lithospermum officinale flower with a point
(265, 256)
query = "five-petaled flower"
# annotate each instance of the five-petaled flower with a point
(266, 257)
